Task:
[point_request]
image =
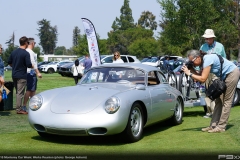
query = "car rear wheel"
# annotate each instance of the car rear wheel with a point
(50, 70)
(178, 113)
(236, 98)
(134, 130)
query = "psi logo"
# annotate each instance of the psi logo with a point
(228, 157)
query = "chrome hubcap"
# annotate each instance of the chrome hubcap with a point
(136, 121)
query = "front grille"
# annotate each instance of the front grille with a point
(80, 132)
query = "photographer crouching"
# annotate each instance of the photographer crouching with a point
(230, 75)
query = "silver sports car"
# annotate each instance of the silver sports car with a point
(109, 99)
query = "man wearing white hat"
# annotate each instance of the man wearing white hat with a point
(211, 46)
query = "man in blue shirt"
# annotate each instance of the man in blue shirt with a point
(87, 63)
(211, 46)
(20, 61)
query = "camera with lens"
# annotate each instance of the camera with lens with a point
(189, 64)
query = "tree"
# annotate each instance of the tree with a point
(144, 47)
(126, 20)
(11, 40)
(76, 33)
(121, 40)
(147, 20)
(7, 53)
(48, 36)
(82, 47)
(184, 21)
(60, 50)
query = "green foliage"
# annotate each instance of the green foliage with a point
(60, 50)
(147, 20)
(126, 20)
(48, 36)
(7, 52)
(76, 33)
(184, 22)
(82, 46)
(121, 40)
(144, 47)
(102, 45)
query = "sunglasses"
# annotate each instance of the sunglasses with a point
(116, 55)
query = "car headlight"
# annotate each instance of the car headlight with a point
(35, 102)
(112, 105)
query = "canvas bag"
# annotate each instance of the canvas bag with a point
(218, 86)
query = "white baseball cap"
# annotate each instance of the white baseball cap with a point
(209, 33)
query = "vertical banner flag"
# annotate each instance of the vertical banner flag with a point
(92, 42)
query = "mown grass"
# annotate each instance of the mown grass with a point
(160, 141)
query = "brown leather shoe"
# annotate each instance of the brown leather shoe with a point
(22, 112)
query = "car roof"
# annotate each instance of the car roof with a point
(144, 67)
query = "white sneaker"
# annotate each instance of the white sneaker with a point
(208, 115)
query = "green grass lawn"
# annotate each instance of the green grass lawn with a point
(18, 138)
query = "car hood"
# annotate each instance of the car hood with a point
(81, 99)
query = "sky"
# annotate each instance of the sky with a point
(21, 16)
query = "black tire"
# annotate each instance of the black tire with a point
(45, 135)
(134, 129)
(50, 70)
(172, 79)
(178, 113)
(236, 98)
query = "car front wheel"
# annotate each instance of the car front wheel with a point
(134, 130)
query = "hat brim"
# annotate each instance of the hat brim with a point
(208, 36)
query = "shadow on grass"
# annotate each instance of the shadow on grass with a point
(111, 140)
(5, 113)
(193, 113)
(200, 128)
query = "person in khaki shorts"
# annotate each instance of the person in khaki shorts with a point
(211, 47)
(230, 74)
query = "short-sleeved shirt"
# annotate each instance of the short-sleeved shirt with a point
(213, 61)
(216, 48)
(20, 61)
(33, 58)
(87, 63)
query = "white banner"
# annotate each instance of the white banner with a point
(92, 42)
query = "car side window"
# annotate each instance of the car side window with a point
(162, 77)
(130, 59)
(153, 78)
(107, 60)
(124, 58)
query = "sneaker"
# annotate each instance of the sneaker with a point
(216, 130)
(24, 108)
(207, 129)
(22, 112)
(208, 115)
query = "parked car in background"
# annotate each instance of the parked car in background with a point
(52, 67)
(129, 103)
(7, 68)
(65, 70)
(156, 60)
(125, 58)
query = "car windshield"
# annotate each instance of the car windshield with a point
(153, 60)
(114, 75)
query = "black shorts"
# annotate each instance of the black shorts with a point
(31, 82)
